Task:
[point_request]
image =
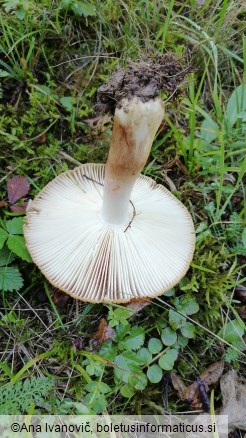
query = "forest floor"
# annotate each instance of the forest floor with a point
(75, 357)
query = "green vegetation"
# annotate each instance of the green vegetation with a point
(53, 57)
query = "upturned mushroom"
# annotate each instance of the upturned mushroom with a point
(106, 233)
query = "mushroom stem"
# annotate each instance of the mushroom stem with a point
(135, 126)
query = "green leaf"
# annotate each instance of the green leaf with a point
(20, 13)
(127, 391)
(155, 345)
(144, 355)
(98, 387)
(68, 102)
(236, 104)
(182, 341)
(98, 404)
(17, 399)
(166, 361)
(10, 279)
(170, 293)
(234, 332)
(244, 237)
(188, 330)
(6, 256)
(15, 226)
(168, 336)
(3, 73)
(139, 380)
(3, 237)
(160, 322)
(134, 341)
(176, 320)
(188, 305)
(65, 3)
(81, 8)
(154, 374)
(108, 351)
(18, 246)
(126, 363)
(209, 130)
(122, 330)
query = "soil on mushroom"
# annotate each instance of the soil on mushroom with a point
(143, 79)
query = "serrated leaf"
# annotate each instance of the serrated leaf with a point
(17, 399)
(168, 336)
(17, 187)
(188, 330)
(4, 73)
(154, 374)
(18, 246)
(6, 256)
(155, 345)
(15, 226)
(126, 363)
(166, 361)
(10, 279)
(3, 237)
(133, 341)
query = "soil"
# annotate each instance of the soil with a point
(143, 79)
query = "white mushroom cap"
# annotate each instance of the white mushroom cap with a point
(93, 261)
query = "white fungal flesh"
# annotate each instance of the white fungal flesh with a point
(98, 262)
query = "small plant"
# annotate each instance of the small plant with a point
(17, 399)
(12, 244)
(79, 8)
(138, 358)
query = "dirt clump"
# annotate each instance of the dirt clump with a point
(143, 79)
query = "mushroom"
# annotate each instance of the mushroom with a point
(106, 233)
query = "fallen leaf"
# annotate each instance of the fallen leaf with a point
(211, 375)
(242, 312)
(233, 390)
(240, 293)
(104, 333)
(17, 187)
(97, 120)
(79, 343)
(179, 385)
(19, 208)
(40, 139)
(195, 394)
(137, 304)
(60, 298)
